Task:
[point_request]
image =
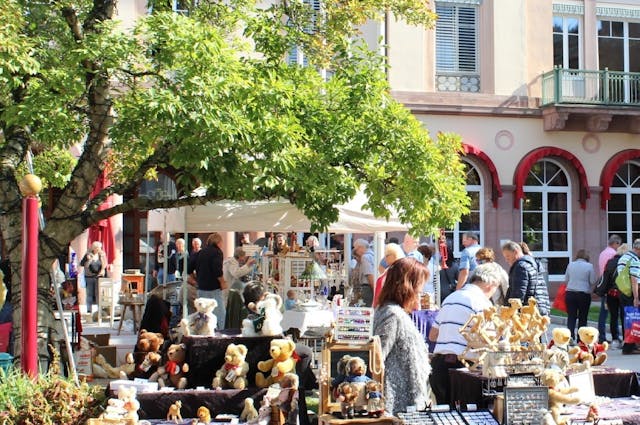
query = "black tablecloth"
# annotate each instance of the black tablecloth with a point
(205, 355)
(466, 387)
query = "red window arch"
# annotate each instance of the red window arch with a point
(610, 169)
(523, 168)
(496, 189)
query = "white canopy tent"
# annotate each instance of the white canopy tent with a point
(270, 216)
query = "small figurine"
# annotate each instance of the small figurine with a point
(249, 412)
(375, 399)
(174, 412)
(347, 394)
(288, 398)
(593, 415)
(204, 415)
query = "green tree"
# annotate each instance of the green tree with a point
(210, 96)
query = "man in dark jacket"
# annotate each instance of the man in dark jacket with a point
(525, 278)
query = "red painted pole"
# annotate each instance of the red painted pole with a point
(29, 295)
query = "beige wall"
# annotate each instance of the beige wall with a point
(407, 55)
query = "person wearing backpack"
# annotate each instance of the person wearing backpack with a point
(629, 273)
(612, 295)
(606, 255)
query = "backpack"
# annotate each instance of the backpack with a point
(608, 279)
(623, 280)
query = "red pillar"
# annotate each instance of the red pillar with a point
(29, 295)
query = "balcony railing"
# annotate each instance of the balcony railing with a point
(574, 86)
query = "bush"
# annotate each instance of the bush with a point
(49, 399)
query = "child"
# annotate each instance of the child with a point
(291, 301)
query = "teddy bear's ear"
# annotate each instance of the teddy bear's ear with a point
(183, 347)
(243, 349)
(292, 345)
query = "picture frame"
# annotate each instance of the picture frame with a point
(524, 404)
(331, 354)
(584, 382)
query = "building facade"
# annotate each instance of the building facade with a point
(546, 97)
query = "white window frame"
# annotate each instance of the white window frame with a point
(565, 40)
(628, 191)
(546, 190)
(456, 233)
(456, 40)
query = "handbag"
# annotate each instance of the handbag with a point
(560, 302)
(623, 280)
(631, 325)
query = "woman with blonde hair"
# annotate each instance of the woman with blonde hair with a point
(392, 253)
(404, 351)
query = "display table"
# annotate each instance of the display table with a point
(303, 320)
(423, 320)
(156, 404)
(332, 420)
(466, 387)
(613, 411)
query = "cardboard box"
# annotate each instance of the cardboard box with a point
(110, 354)
(98, 339)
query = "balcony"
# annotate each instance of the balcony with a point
(594, 101)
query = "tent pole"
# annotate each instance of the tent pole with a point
(146, 265)
(185, 267)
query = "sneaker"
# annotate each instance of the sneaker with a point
(616, 344)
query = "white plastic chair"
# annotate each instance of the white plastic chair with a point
(107, 298)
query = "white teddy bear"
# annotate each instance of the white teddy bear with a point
(267, 318)
(203, 321)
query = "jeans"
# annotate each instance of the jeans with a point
(602, 321)
(170, 277)
(616, 311)
(92, 283)
(577, 308)
(220, 311)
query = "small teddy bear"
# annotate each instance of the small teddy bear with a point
(102, 369)
(174, 369)
(375, 399)
(347, 395)
(233, 374)
(267, 320)
(131, 403)
(282, 361)
(558, 397)
(288, 398)
(249, 412)
(203, 321)
(204, 415)
(557, 352)
(147, 353)
(356, 371)
(589, 350)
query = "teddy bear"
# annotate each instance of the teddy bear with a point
(204, 415)
(147, 353)
(267, 319)
(347, 395)
(249, 412)
(203, 321)
(356, 371)
(288, 398)
(589, 350)
(282, 361)
(375, 399)
(341, 369)
(174, 369)
(557, 352)
(233, 374)
(124, 407)
(558, 397)
(102, 369)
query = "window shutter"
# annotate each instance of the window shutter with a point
(456, 38)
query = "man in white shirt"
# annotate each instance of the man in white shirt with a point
(236, 267)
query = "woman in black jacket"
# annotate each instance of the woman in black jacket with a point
(525, 278)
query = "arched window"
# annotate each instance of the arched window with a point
(546, 218)
(623, 208)
(472, 222)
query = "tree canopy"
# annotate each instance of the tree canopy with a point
(210, 95)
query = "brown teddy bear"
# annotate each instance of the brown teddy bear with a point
(233, 374)
(375, 399)
(146, 363)
(174, 369)
(282, 361)
(558, 397)
(347, 395)
(589, 350)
